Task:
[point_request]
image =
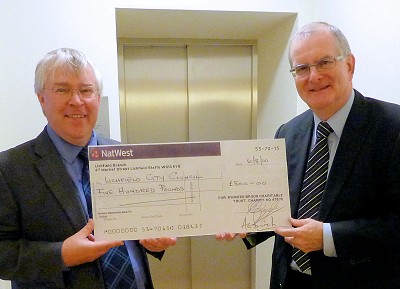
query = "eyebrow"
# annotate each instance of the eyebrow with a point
(68, 84)
(326, 56)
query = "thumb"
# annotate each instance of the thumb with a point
(88, 229)
(297, 222)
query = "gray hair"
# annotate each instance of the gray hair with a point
(69, 60)
(341, 42)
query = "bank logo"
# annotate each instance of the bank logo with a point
(95, 154)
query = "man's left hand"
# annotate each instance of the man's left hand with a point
(158, 244)
(306, 234)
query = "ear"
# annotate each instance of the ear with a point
(40, 98)
(351, 64)
(41, 101)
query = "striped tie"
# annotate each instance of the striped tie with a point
(313, 186)
(117, 267)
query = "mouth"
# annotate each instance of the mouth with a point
(75, 116)
(317, 89)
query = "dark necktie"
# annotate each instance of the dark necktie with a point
(117, 267)
(313, 186)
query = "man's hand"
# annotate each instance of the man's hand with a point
(158, 244)
(307, 234)
(229, 236)
(82, 247)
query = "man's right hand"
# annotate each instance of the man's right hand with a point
(82, 247)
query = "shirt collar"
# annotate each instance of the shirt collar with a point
(338, 120)
(68, 151)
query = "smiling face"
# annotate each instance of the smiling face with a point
(327, 91)
(72, 118)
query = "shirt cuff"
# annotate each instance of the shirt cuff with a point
(329, 245)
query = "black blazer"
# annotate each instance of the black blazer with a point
(39, 209)
(361, 199)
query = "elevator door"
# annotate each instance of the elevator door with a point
(191, 93)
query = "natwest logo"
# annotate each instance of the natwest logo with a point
(95, 154)
(116, 153)
(113, 152)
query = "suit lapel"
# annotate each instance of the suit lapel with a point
(54, 174)
(353, 136)
(297, 156)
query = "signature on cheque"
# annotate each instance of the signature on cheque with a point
(260, 215)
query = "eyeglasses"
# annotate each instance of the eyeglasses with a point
(323, 64)
(85, 92)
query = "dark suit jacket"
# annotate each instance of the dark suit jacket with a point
(361, 199)
(39, 209)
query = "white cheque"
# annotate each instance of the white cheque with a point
(188, 189)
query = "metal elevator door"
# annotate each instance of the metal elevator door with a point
(187, 93)
(178, 93)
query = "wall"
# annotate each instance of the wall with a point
(371, 28)
(374, 35)
(29, 29)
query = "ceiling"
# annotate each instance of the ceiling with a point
(143, 23)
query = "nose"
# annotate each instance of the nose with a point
(314, 73)
(75, 97)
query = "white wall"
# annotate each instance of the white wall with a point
(372, 29)
(373, 33)
(29, 29)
